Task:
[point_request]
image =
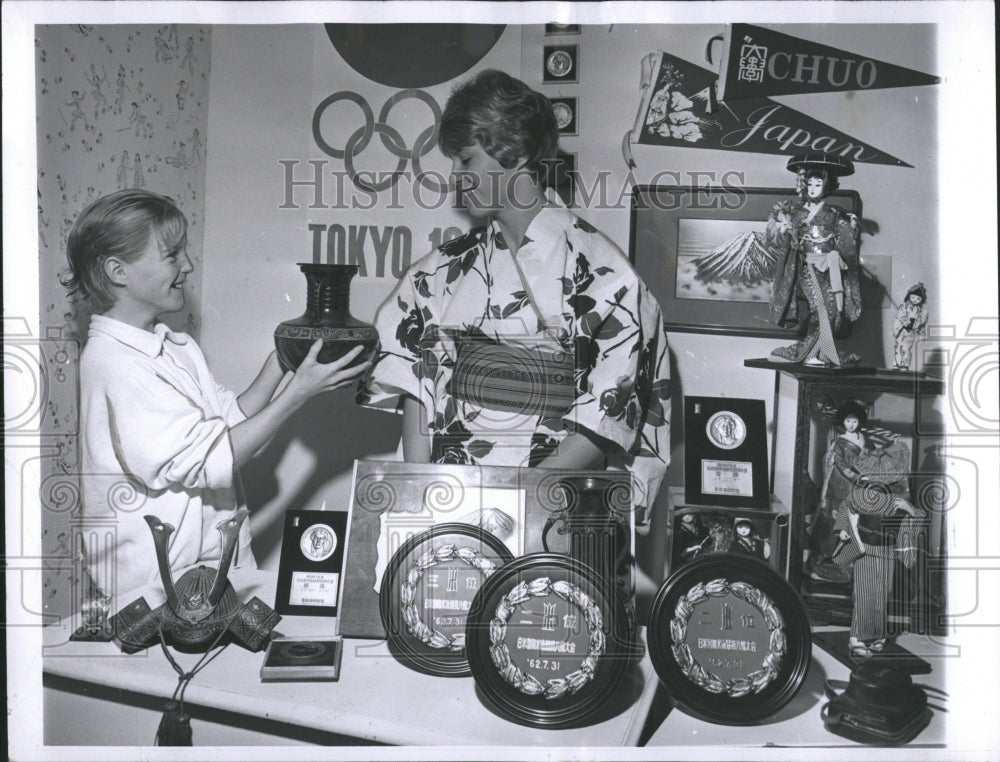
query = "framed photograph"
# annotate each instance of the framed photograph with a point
(560, 63)
(428, 590)
(701, 252)
(725, 452)
(541, 641)
(730, 640)
(565, 110)
(312, 563)
(525, 508)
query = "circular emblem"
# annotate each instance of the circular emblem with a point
(428, 589)
(306, 652)
(729, 639)
(563, 114)
(546, 641)
(559, 63)
(318, 542)
(726, 430)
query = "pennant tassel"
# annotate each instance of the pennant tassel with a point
(175, 726)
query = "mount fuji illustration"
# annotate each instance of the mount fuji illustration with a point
(744, 259)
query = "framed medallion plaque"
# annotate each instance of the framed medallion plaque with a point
(560, 63)
(730, 640)
(725, 452)
(565, 112)
(312, 561)
(540, 643)
(428, 590)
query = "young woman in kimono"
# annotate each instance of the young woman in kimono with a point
(817, 244)
(529, 341)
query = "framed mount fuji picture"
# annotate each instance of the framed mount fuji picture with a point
(702, 253)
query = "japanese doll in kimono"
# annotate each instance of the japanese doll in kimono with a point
(529, 341)
(910, 325)
(876, 525)
(816, 278)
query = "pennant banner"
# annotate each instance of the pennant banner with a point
(759, 62)
(678, 109)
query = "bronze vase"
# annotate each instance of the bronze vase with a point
(328, 317)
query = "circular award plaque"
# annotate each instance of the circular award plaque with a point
(318, 542)
(726, 429)
(563, 114)
(428, 589)
(559, 63)
(540, 644)
(729, 638)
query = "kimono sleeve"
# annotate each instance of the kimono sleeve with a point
(402, 322)
(163, 438)
(623, 388)
(622, 370)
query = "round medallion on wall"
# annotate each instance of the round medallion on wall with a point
(563, 114)
(428, 589)
(730, 639)
(726, 429)
(559, 63)
(540, 643)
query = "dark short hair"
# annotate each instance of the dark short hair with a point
(117, 225)
(850, 408)
(917, 290)
(506, 117)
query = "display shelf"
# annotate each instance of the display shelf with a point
(904, 404)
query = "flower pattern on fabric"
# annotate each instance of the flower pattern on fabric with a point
(567, 300)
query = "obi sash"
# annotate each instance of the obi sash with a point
(513, 379)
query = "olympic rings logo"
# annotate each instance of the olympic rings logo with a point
(391, 139)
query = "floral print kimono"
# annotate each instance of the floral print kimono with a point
(509, 354)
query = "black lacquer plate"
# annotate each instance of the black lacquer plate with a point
(428, 589)
(540, 643)
(730, 640)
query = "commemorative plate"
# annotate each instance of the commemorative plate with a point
(730, 639)
(427, 592)
(540, 641)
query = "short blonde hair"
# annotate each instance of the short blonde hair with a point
(117, 225)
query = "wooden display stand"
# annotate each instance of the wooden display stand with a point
(804, 398)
